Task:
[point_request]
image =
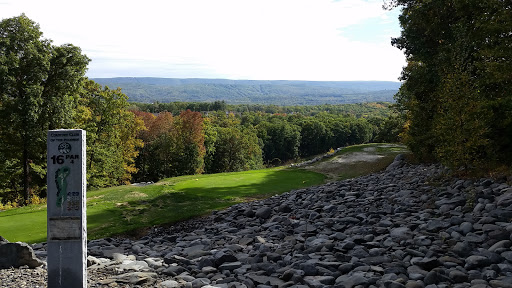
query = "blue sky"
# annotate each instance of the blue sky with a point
(236, 39)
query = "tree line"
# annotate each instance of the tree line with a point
(379, 109)
(282, 92)
(43, 87)
(455, 97)
(221, 141)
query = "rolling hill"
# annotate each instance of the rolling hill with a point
(278, 92)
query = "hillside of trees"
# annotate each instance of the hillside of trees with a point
(150, 90)
(456, 97)
(43, 87)
(375, 109)
(220, 141)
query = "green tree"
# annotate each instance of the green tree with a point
(235, 150)
(210, 142)
(314, 135)
(360, 131)
(390, 129)
(111, 132)
(39, 85)
(456, 95)
(281, 140)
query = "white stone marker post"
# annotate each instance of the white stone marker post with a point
(67, 226)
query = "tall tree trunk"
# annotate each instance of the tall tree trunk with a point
(26, 176)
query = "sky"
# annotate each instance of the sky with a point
(317, 40)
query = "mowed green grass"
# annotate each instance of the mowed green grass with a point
(129, 209)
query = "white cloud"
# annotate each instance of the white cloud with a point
(240, 39)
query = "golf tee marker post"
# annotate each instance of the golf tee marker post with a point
(66, 213)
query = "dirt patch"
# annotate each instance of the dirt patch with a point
(353, 164)
(356, 157)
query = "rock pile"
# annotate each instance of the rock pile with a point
(405, 227)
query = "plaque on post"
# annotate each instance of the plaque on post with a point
(67, 226)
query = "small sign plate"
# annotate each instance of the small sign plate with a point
(65, 228)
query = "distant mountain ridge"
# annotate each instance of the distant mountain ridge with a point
(278, 92)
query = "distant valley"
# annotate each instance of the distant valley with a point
(278, 92)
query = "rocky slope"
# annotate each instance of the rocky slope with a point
(408, 226)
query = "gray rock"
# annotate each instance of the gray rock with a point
(319, 281)
(393, 284)
(154, 263)
(376, 260)
(414, 284)
(91, 260)
(221, 258)
(136, 278)
(501, 214)
(458, 276)
(462, 249)
(174, 270)
(345, 268)
(432, 277)
(501, 283)
(200, 282)
(505, 200)
(133, 265)
(230, 266)
(16, 255)
(476, 261)
(195, 251)
(261, 279)
(428, 264)
(500, 244)
(436, 225)
(169, 284)
(465, 228)
(397, 163)
(350, 281)
(401, 233)
(309, 269)
(264, 212)
(507, 255)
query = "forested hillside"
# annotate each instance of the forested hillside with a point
(149, 90)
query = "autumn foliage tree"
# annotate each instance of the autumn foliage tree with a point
(174, 145)
(191, 150)
(153, 161)
(112, 145)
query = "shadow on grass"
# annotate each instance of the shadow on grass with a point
(195, 197)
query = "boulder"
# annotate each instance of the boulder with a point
(16, 255)
(397, 163)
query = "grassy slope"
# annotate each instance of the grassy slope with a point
(123, 209)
